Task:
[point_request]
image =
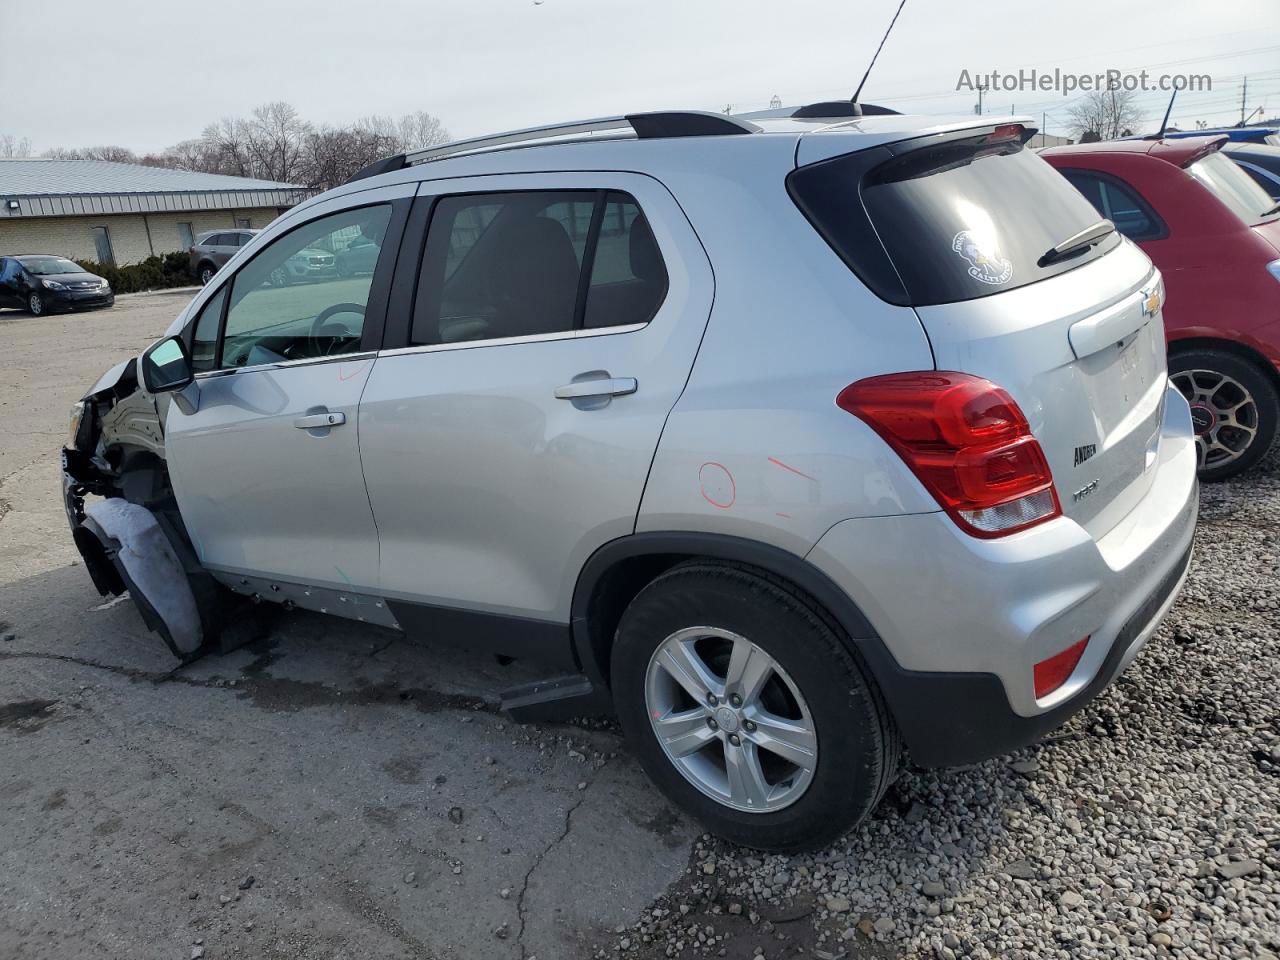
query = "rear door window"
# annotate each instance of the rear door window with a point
(503, 265)
(628, 277)
(1118, 203)
(951, 219)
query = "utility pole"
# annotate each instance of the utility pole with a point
(982, 88)
(1244, 92)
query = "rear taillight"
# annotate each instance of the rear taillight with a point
(1052, 673)
(966, 441)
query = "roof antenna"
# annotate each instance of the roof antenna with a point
(1164, 124)
(857, 110)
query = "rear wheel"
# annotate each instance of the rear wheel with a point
(746, 709)
(1234, 409)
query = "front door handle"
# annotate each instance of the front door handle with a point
(603, 387)
(320, 421)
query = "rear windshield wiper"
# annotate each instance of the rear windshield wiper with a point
(1078, 243)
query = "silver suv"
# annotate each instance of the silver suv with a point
(795, 442)
(212, 250)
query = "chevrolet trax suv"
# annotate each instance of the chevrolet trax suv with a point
(796, 443)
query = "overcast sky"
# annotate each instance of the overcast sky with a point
(148, 74)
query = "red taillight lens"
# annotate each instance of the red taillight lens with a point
(967, 442)
(1052, 673)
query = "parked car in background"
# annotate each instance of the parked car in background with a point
(42, 284)
(211, 250)
(1268, 135)
(794, 443)
(359, 256)
(310, 263)
(1215, 235)
(1260, 161)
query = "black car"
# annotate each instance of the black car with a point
(40, 284)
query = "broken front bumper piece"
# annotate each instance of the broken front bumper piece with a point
(125, 548)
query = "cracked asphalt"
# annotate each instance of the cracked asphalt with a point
(330, 790)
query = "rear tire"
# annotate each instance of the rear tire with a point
(812, 683)
(1234, 405)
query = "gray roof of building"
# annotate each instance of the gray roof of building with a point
(39, 177)
(68, 188)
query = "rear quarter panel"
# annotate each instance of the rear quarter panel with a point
(756, 447)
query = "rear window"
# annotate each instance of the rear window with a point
(1233, 187)
(952, 219)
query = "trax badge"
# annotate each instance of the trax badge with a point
(985, 265)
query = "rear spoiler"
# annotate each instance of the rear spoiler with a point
(1208, 146)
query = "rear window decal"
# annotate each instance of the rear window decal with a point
(985, 265)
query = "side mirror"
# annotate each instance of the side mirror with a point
(166, 366)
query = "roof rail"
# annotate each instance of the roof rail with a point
(641, 126)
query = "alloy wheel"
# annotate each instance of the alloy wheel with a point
(1223, 412)
(731, 719)
(36, 304)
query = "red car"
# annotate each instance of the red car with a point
(1215, 235)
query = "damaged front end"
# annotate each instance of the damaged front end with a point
(124, 517)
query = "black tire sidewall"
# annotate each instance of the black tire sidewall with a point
(849, 777)
(1260, 386)
(44, 308)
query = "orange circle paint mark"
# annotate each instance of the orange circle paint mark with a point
(717, 485)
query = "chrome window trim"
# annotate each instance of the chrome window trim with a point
(286, 364)
(506, 341)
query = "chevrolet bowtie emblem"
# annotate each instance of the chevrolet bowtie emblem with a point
(1150, 302)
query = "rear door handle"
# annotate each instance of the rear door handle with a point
(604, 387)
(320, 420)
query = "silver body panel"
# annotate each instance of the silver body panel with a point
(260, 496)
(490, 491)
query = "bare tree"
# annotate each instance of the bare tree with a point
(1107, 113)
(331, 155)
(62, 153)
(413, 131)
(275, 143)
(421, 130)
(11, 146)
(110, 152)
(275, 138)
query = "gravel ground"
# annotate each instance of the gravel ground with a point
(1148, 827)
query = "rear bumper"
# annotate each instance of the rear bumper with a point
(963, 621)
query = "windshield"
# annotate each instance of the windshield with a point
(948, 221)
(49, 266)
(1233, 187)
